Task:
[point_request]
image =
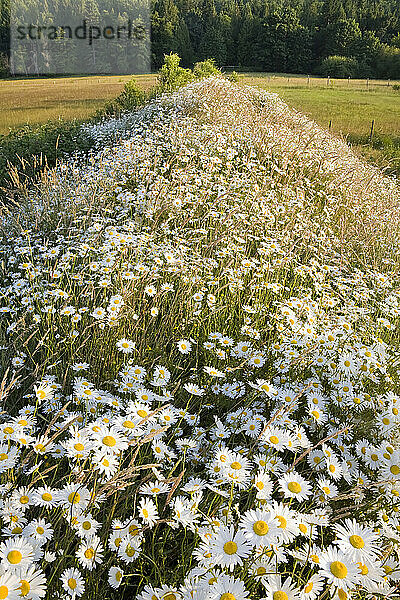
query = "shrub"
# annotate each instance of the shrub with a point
(131, 98)
(30, 149)
(339, 66)
(206, 68)
(171, 75)
(234, 77)
(388, 63)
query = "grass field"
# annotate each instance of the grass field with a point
(37, 100)
(347, 107)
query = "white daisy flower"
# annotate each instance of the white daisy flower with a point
(259, 527)
(16, 553)
(230, 548)
(294, 485)
(115, 575)
(73, 583)
(10, 586)
(338, 568)
(358, 542)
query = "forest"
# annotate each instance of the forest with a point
(340, 38)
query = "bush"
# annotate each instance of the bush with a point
(234, 77)
(206, 68)
(339, 66)
(171, 76)
(30, 149)
(131, 98)
(396, 88)
(388, 63)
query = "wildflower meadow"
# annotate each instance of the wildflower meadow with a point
(200, 362)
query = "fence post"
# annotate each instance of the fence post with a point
(328, 81)
(330, 124)
(372, 130)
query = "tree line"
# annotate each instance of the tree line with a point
(341, 38)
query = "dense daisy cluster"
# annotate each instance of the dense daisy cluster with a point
(200, 365)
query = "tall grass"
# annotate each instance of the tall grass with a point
(211, 307)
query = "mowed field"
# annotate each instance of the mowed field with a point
(37, 100)
(347, 107)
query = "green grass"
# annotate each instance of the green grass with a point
(347, 108)
(35, 101)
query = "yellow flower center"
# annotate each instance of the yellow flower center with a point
(294, 487)
(17, 530)
(356, 541)
(118, 576)
(109, 441)
(142, 413)
(236, 466)
(280, 595)
(342, 594)
(274, 439)
(74, 498)
(227, 596)
(47, 497)
(363, 569)
(129, 424)
(79, 447)
(261, 571)
(230, 548)
(260, 528)
(40, 530)
(309, 587)
(134, 530)
(130, 551)
(25, 587)
(14, 557)
(387, 569)
(3, 592)
(86, 525)
(395, 469)
(314, 558)
(303, 528)
(72, 583)
(3, 456)
(89, 553)
(282, 521)
(338, 569)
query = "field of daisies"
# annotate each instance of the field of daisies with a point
(200, 363)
